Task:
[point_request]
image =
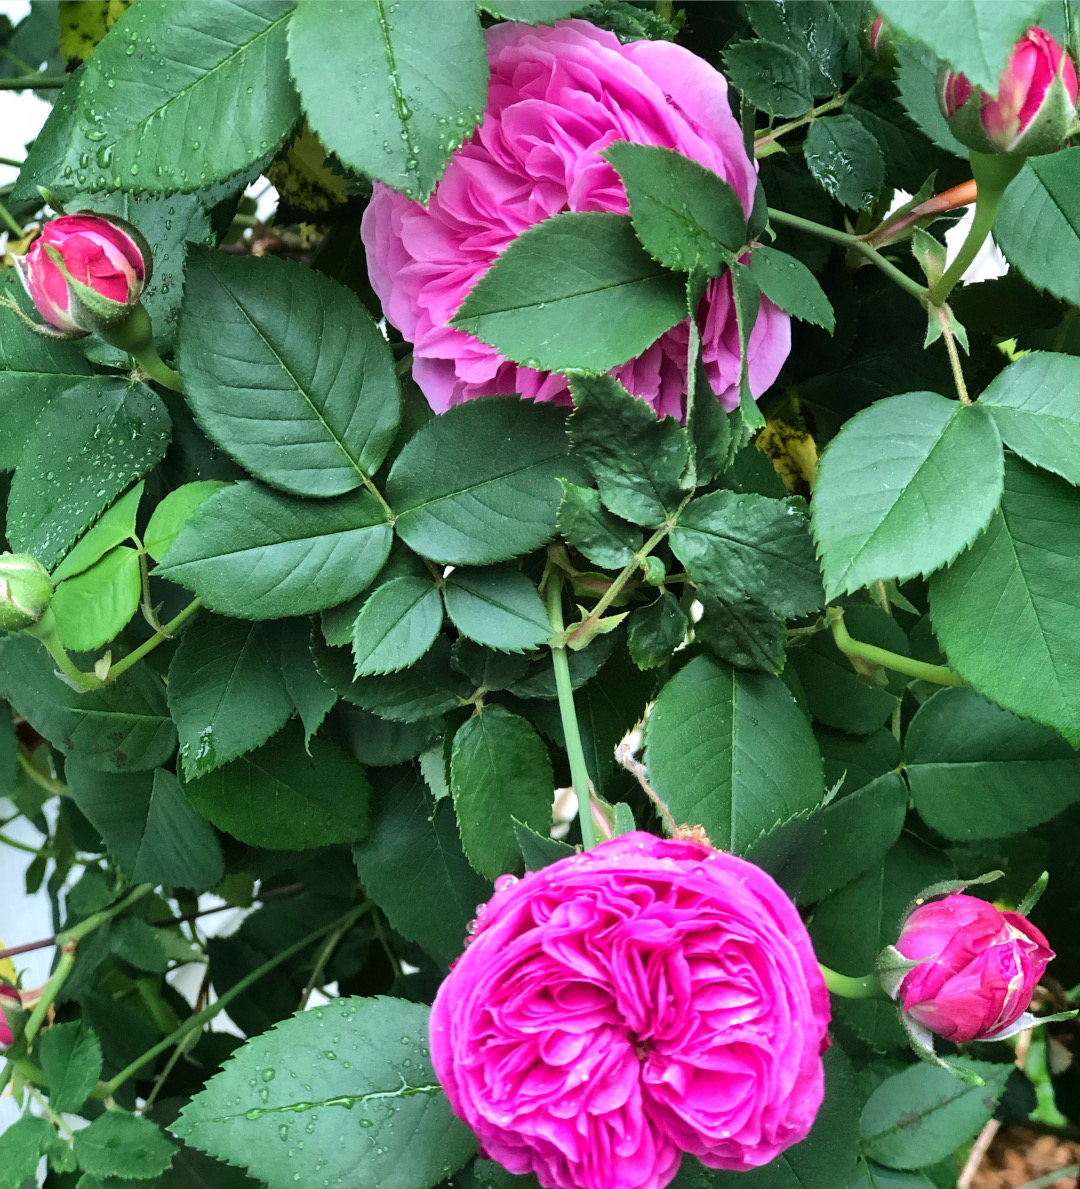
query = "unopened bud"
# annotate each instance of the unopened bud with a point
(25, 591)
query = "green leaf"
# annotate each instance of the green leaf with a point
(845, 159)
(479, 483)
(311, 697)
(413, 867)
(821, 34)
(70, 1055)
(121, 1145)
(877, 1176)
(789, 284)
(417, 84)
(977, 771)
(654, 632)
(367, 1056)
(397, 624)
(257, 554)
(974, 36)
(1005, 610)
(732, 751)
(91, 443)
(487, 668)
(499, 608)
(860, 828)
(115, 526)
(93, 607)
(587, 526)
(745, 633)
(574, 291)
(123, 727)
(312, 413)
(541, 850)
(903, 488)
(923, 1114)
(33, 371)
(226, 690)
(21, 1146)
(1035, 404)
(532, 12)
(539, 681)
(852, 926)
(637, 461)
(499, 772)
(171, 515)
(607, 710)
(686, 216)
(772, 77)
(1038, 223)
(915, 81)
(738, 547)
(148, 825)
(131, 116)
(283, 797)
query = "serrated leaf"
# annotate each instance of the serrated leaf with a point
(744, 633)
(314, 413)
(283, 797)
(574, 291)
(258, 554)
(121, 1145)
(845, 159)
(654, 632)
(1005, 610)
(499, 772)
(903, 488)
(396, 625)
(226, 691)
(915, 82)
(541, 850)
(789, 284)
(418, 84)
(738, 547)
(731, 750)
(70, 1055)
(592, 530)
(774, 78)
(379, 1068)
(92, 608)
(170, 516)
(532, 12)
(479, 483)
(21, 1146)
(637, 461)
(115, 526)
(498, 607)
(92, 442)
(412, 860)
(686, 216)
(311, 697)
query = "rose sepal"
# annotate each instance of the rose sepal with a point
(42, 329)
(890, 968)
(921, 1040)
(947, 887)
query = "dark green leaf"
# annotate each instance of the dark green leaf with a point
(731, 750)
(540, 850)
(789, 284)
(499, 773)
(122, 1145)
(745, 633)
(396, 625)
(21, 1146)
(417, 84)
(915, 80)
(539, 682)
(654, 632)
(773, 77)
(70, 1055)
(284, 798)
(92, 442)
(607, 710)
(1005, 610)
(499, 608)
(574, 291)
(256, 554)
(311, 697)
(311, 413)
(821, 34)
(903, 488)
(479, 483)
(380, 743)
(845, 159)
(738, 547)
(484, 667)
(590, 528)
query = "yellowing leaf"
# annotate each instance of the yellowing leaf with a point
(302, 177)
(7, 967)
(793, 453)
(83, 23)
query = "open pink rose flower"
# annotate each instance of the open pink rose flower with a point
(645, 998)
(558, 96)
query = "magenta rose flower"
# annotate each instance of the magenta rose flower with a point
(977, 967)
(645, 998)
(103, 253)
(558, 96)
(1035, 105)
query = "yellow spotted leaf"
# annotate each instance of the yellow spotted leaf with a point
(83, 23)
(302, 177)
(793, 453)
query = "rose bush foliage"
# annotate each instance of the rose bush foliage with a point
(599, 409)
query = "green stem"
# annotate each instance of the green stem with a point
(993, 173)
(52, 786)
(866, 987)
(45, 631)
(13, 224)
(808, 118)
(939, 674)
(167, 632)
(25, 846)
(77, 932)
(109, 1088)
(41, 1010)
(851, 241)
(579, 772)
(954, 355)
(156, 368)
(34, 82)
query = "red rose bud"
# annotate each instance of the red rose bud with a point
(12, 997)
(977, 968)
(1035, 106)
(85, 272)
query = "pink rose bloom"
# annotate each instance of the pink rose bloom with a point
(1035, 105)
(977, 967)
(645, 998)
(558, 96)
(102, 252)
(12, 996)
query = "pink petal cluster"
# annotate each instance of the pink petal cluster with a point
(558, 96)
(645, 998)
(96, 251)
(977, 968)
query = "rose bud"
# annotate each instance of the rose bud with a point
(880, 42)
(976, 968)
(25, 591)
(85, 272)
(12, 997)
(1035, 106)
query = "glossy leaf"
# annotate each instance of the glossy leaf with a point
(845, 159)
(396, 625)
(592, 530)
(789, 284)
(499, 608)
(115, 526)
